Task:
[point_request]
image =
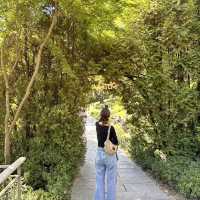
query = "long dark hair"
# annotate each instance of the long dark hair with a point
(104, 115)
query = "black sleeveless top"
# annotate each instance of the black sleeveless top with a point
(102, 132)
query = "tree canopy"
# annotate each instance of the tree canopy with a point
(149, 48)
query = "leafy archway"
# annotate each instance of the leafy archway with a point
(150, 49)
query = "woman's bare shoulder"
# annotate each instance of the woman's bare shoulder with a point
(102, 124)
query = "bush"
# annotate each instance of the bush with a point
(54, 154)
(94, 110)
(29, 194)
(182, 173)
(124, 138)
(189, 182)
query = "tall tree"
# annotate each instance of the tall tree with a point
(9, 124)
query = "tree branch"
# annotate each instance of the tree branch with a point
(37, 66)
(18, 51)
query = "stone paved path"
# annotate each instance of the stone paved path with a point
(133, 183)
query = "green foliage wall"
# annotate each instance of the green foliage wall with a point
(49, 132)
(150, 48)
(54, 152)
(162, 95)
(154, 58)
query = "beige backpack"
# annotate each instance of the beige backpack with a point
(109, 147)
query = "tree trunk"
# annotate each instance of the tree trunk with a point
(7, 115)
(9, 129)
(37, 66)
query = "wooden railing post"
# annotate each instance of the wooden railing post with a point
(19, 187)
(7, 196)
(7, 172)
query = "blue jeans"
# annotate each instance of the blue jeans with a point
(105, 165)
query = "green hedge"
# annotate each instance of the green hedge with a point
(54, 154)
(181, 173)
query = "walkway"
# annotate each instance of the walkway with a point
(133, 183)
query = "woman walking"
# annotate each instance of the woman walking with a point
(106, 159)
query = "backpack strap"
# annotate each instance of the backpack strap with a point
(108, 136)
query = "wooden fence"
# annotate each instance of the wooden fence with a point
(10, 180)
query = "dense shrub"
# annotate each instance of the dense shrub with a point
(181, 173)
(123, 136)
(54, 153)
(189, 182)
